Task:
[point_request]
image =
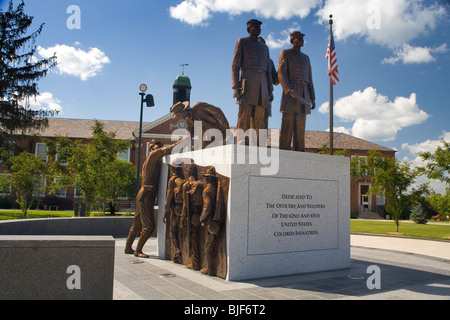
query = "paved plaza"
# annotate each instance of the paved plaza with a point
(408, 269)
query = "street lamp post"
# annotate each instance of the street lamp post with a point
(150, 103)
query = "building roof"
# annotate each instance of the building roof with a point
(182, 81)
(317, 139)
(128, 130)
(82, 128)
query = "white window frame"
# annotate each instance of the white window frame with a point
(128, 152)
(60, 193)
(42, 155)
(10, 186)
(37, 192)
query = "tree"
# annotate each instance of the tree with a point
(392, 178)
(119, 180)
(19, 73)
(441, 205)
(26, 173)
(91, 167)
(438, 166)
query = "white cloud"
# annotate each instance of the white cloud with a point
(197, 12)
(409, 54)
(340, 130)
(426, 146)
(77, 62)
(45, 101)
(374, 117)
(388, 23)
(284, 41)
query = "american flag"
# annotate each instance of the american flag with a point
(332, 61)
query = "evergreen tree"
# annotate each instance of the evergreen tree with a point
(19, 73)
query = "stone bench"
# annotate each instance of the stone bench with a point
(56, 267)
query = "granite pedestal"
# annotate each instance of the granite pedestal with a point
(56, 267)
(287, 212)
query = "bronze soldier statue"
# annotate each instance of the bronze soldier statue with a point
(251, 80)
(174, 206)
(190, 216)
(210, 116)
(275, 82)
(211, 218)
(295, 75)
(144, 220)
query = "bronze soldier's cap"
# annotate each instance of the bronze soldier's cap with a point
(174, 165)
(296, 34)
(179, 106)
(210, 172)
(252, 22)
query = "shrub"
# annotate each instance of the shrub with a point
(417, 215)
(5, 203)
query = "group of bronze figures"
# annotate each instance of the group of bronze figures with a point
(196, 199)
(253, 78)
(195, 215)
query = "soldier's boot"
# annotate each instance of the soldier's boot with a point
(142, 240)
(176, 246)
(130, 239)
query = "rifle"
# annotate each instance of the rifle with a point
(301, 99)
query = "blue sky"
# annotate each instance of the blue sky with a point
(393, 60)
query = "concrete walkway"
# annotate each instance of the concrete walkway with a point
(432, 248)
(409, 269)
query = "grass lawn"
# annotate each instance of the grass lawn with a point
(406, 229)
(38, 214)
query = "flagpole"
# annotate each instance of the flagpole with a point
(331, 99)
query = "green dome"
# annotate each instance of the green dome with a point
(182, 81)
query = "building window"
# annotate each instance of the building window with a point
(362, 165)
(5, 187)
(60, 193)
(77, 192)
(41, 151)
(125, 155)
(39, 189)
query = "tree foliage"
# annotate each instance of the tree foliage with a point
(392, 178)
(19, 73)
(92, 167)
(438, 166)
(441, 205)
(26, 173)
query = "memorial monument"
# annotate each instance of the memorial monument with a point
(224, 212)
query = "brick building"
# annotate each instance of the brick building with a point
(162, 129)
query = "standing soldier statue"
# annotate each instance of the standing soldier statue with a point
(190, 216)
(275, 82)
(294, 73)
(174, 207)
(144, 219)
(252, 81)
